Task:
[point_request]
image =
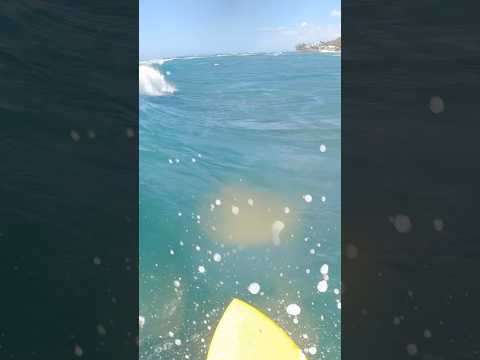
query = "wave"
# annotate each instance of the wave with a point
(156, 61)
(162, 61)
(152, 82)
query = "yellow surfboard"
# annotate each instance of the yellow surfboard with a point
(245, 333)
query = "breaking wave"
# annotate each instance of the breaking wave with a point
(156, 61)
(152, 82)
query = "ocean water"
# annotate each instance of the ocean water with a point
(239, 198)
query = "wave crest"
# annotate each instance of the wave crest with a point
(152, 82)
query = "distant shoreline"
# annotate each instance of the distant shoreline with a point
(321, 46)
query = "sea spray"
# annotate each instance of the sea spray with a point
(152, 82)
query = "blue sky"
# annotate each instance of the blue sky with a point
(198, 27)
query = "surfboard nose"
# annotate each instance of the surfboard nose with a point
(246, 333)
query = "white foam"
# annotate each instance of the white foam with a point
(294, 310)
(324, 269)
(322, 286)
(308, 198)
(254, 288)
(156, 61)
(152, 82)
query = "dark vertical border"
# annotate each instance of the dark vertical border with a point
(69, 179)
(410, 78)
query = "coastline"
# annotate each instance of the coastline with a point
(321, 46)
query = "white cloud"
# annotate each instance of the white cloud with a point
(335, 13)
(304, 24)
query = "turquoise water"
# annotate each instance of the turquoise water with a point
(230, 154)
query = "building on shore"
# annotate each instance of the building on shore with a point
(321, 46)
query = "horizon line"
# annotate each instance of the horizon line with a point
(215, 54)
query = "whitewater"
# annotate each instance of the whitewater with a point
(152, 82)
